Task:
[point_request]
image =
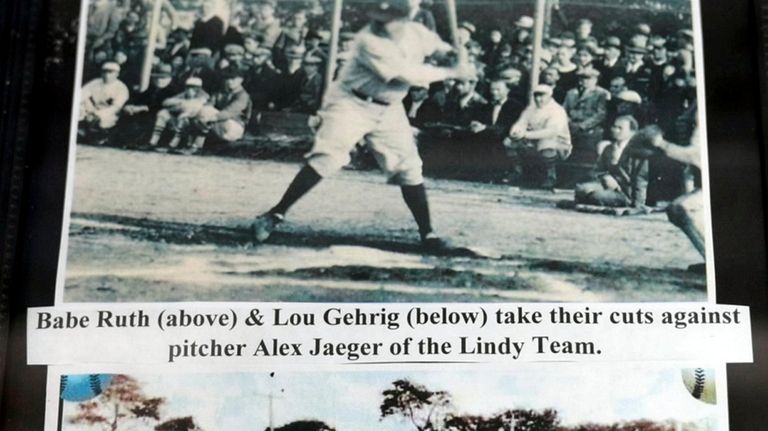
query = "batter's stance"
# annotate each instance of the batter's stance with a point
(365, 102)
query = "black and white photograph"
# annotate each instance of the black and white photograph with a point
(533, 398)
(387, 151)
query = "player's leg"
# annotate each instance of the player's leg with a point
(395, 150)
(333, 142)
(686, 212)
(161, 121)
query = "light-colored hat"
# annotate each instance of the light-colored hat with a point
(524, 22)
(111, 65)
(193, 81)
(542, 89)
(630, 96)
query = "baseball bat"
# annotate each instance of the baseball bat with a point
(453, 24)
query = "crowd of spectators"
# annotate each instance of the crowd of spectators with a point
(597, 86)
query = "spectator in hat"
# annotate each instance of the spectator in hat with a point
(260, 81)
(310, 88)
(583, 58)
(551, 77)
(139, 112)
(101, 101)
(266, 24)
(513, 77)
(418, 13)
(420, 108)
(539, 139)
(313, 48)
(583, 30)
(493, 48)
(466, 32)
(620, 178)
(636, 71)
(292, 35)
(178, 112)
(199, 64)
(234, 55)
(611, 65)
(521, 35)
(291, 77)
(131, 40)
(586, 106)
(226, 114)
(465, 104)
(209, 28)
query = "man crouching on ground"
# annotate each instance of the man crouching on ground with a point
(366, 102)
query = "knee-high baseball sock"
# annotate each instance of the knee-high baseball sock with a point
(305, 180)
(416, 199)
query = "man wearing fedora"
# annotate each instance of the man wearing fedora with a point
(586, 106)
(101, 101)
(365, 103)
(636, 71)
(260, 80)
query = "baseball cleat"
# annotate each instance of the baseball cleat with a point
(264, 225)
(434, 244)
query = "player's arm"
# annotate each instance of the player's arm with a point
(690, 154)
(386, 61)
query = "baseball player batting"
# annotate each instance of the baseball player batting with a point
(365, 102)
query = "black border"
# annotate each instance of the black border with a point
(733, 55)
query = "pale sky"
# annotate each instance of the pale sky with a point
(349, 400)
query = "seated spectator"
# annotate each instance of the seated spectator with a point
(178, 111)
(550, 76)
(292, 35)
(493, 48)
(141, 109)
(586, 106)
(225, 115)
(495, 119)
(539, 139)
(583, 30)
(565, 66)
(636, 72)
(101, 101)
(464, 106)
(621, 179)
(310, 88)
(513, 77)
(419, 108)
(291, 78)
(199, 64)
(260, 81)
(234, 55)
(611, 65)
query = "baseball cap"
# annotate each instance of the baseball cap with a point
(612, 41)
(542, 89)
(111, 66)
(630, 96)
(468, 26)
(524, 22)
(588, 73)
(162, 69)
(193, 82)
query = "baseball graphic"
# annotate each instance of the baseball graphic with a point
(700, 382)
(81, 387)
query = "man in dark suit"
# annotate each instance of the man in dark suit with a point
(494, 120)
(612, 65)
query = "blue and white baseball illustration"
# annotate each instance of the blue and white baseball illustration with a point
(700, 382)
(82, 387)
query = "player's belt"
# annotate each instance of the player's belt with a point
(370, 99)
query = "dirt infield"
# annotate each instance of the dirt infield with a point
(160, 227)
